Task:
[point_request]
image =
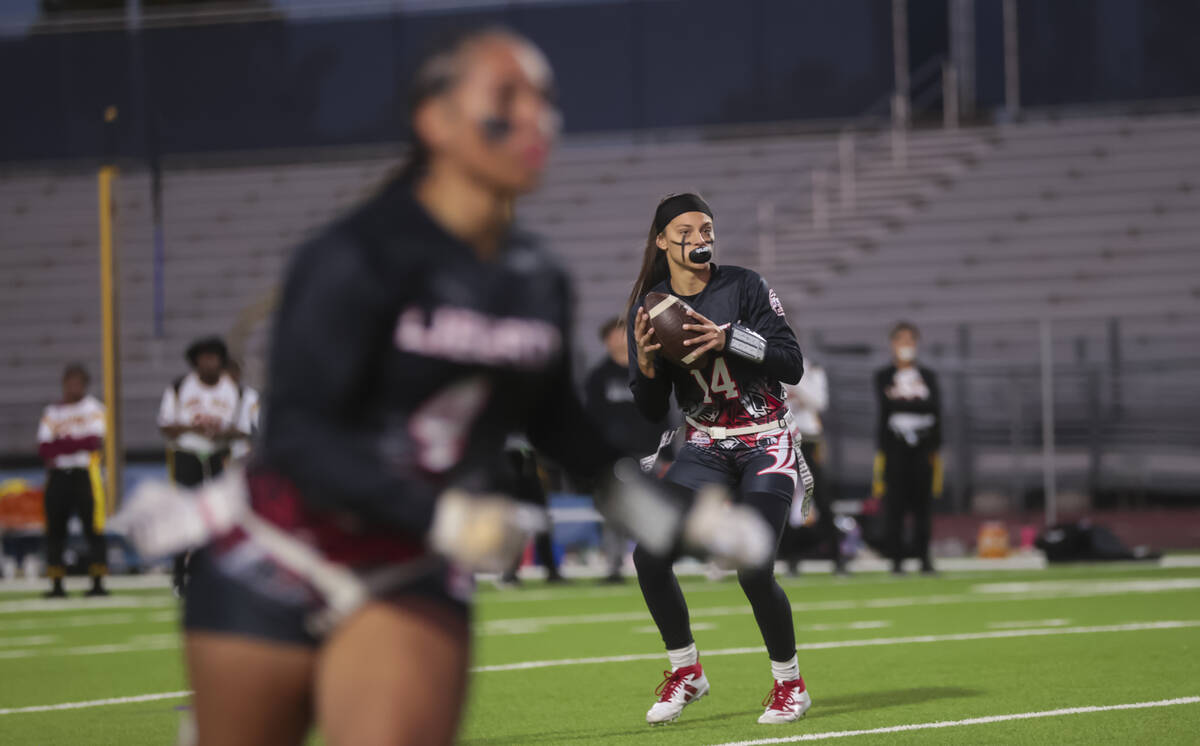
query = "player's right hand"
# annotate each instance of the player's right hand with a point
(482, 532)
(161, 519)
(647, 345)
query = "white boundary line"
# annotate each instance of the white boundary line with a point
(743, 651)
(1055, 593)
(869, 642)
(95, 703)
(968, 721)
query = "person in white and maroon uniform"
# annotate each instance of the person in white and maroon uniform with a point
(198, 417)
(737, 435)
(70, 435)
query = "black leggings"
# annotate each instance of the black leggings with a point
(69, 492)
(772, 610)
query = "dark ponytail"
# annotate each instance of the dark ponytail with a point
(654, 269)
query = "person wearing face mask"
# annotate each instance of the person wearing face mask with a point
(908, 437)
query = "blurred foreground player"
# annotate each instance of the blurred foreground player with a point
(908, 436)
(413, 336)
(70, 435)
(738, 433)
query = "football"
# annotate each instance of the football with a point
(668, 314)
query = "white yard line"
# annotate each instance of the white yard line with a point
(969, 721)
(138, 644)
(27, 640)
(869, 642)
(88, 620)
(1075, 587)
(1030, 623)
(95, 703)
(89, 604)
(987, 593)
(726, 651)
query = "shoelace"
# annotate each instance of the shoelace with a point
(780, 696)
(671, 682)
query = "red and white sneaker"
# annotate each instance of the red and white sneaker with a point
(678, 689)
(788, 701)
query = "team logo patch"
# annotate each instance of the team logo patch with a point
(775, 304)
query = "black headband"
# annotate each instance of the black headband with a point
(673, 207)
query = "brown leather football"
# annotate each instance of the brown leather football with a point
(668, 314)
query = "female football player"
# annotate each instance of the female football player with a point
(412, 337)
(737, 435)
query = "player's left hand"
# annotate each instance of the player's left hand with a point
(711, 337)
(161, 519)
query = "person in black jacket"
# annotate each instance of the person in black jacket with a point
(737, 435)
(608, 399)
(908, 436)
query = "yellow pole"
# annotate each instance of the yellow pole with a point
(109, 336)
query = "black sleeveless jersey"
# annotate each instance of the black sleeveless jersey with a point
(730, 391)
(401, 361)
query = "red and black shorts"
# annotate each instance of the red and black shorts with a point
(235, 586)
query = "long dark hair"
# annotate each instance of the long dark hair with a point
(654, 266)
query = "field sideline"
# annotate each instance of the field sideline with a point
(1084, 654)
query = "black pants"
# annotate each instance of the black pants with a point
(908, 489)
(190, 470)
(69, 492)
(767, 492)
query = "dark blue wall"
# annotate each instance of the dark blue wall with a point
(321, 82)
(621, 65)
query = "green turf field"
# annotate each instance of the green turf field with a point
(578, 664)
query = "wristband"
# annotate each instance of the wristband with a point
(746, 344)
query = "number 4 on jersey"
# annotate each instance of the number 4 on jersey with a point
(722, 382)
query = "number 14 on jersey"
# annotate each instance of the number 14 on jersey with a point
(721, 383)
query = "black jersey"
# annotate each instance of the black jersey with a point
(910, 409)
(610, 402)
(401, 361)
(730, 391)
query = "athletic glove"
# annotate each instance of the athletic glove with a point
(662, 523)
(877, 487)
(162, 519)
(482, 532)
(732, 534)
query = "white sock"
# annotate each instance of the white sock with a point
(682, 657)
(788, 670)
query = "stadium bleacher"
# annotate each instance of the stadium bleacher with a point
(1083, 220)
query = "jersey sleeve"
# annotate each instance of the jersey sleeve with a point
(247, 416)
(167, 409)
(771, 340)
(332, 323)
(651, 395)
(96, 422)
(45, 433)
